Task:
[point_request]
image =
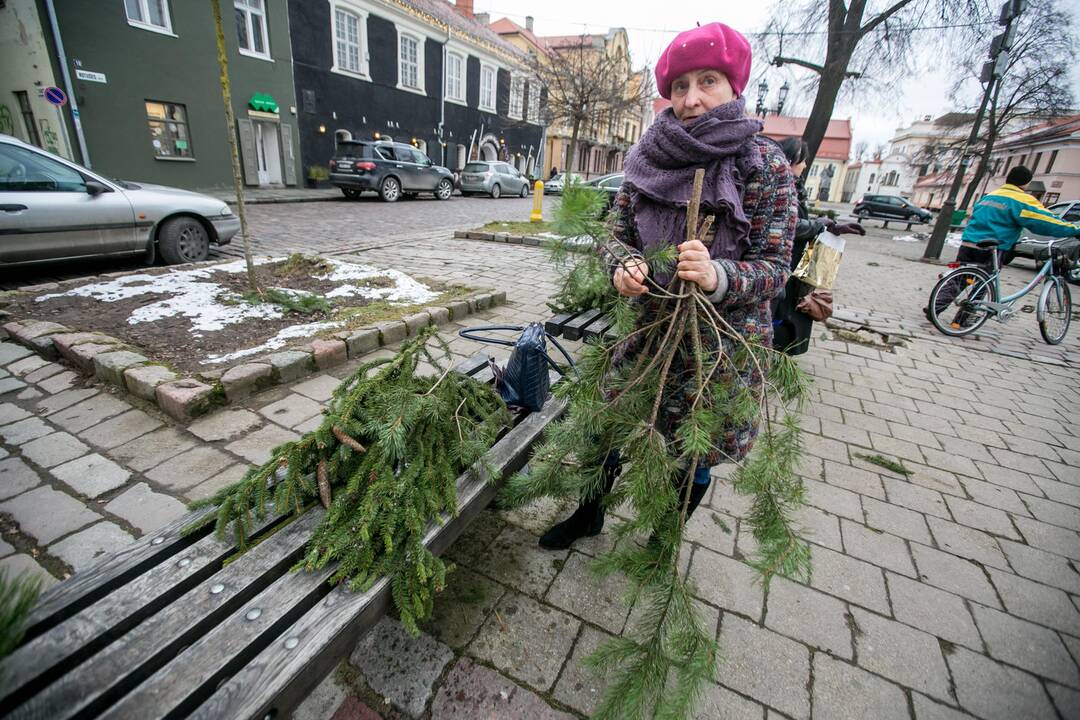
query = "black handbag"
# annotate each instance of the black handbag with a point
(524, 382)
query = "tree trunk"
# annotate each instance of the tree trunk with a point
(572, 149)
(230, 132)
(984, 161)
(828, 90)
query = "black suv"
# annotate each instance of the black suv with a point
(389, 168)
(890, 206)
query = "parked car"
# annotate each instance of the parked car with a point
(391, 169)
(890, 206)
(610, 185)
(1029, 245)
(554, 186)
(54, 209)
(493, 178)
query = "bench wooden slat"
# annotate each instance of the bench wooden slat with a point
(554, 325)
(104, 678)
(63, 600)
(472, 366)
(597, 327)
(572, 329)
(77, 638)
(179, 687)
(279, 677)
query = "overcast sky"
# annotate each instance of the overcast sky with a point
(651, 26)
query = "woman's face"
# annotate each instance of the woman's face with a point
(699, 91)
(797, 168)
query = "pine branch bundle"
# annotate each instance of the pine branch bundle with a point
(385, 462)
(584, 283)
(663, 663)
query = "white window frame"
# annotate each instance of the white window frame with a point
(517, 97)
(494, 87)
(146, 24)
(464, 80)
(361, 22)
(419, 40)
(534, 102)
(250, 14)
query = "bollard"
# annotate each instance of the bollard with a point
(538, 202)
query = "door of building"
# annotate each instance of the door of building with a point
(268, 153)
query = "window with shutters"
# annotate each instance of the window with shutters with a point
(455, 77)
(517, 97)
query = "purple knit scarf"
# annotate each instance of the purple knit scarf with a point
(660, 168)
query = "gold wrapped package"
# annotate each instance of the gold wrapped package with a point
(821, 261)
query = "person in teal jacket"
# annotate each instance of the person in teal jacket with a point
(1003, 215)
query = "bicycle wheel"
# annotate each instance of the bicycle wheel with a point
(1054, 310)
(950, 308)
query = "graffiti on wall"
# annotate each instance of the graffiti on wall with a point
(49, 140)
(7, 123)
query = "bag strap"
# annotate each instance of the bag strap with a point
(471, 334)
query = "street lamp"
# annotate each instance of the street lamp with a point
(763, 90)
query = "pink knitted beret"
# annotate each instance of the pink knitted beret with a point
(713, 46)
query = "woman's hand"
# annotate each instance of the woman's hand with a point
(695, 265)
(629, 278)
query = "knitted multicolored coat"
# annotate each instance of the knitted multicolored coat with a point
(769, 202)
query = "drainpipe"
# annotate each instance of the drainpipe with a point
(67, 83)
(442, 97)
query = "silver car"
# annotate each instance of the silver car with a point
(493, 178)
(54, 209)
(554, 186)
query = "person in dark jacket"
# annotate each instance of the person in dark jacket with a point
(791, 327)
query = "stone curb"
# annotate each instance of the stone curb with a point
(185, 398)
(570, 244)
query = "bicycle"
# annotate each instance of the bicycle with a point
(975, 294)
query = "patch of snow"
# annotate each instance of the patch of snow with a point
(553, 236)
(278, 341)
(404, 289)
(953, 239)
(908, 238)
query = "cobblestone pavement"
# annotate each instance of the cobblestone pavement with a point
(948, 592)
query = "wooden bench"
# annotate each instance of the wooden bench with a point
(885, 221)
(172, 626)
(584, 325)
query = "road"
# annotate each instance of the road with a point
(329, 227)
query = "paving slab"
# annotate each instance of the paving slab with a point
(719, 703)
(848, 578)
(579, 686)
(967, 542)
(16, 477)
(292, 410)
(190, 468)
(152, 449)
(901, 653)
(20, 564)
(932, 610)
(46, 514)
(24, 431)
(224, 424)
(991, 690)
(845, 692)
(10, 412)
(791, 604)
(1036, 602)
(463, 607)
(764, 665)
(85, 548)
(91, 475)
(598, 600)
(1026, 645)
(474, 692)
(88, 413)
(121, 429)
(877, 547)
(400, 667)
(954, 574)
(58, 383)
(256, 446)
(514, 559)
(318, 388)
(146, 509)
(526, 640)
(208, 488)
(727, 583)
(1045, 567)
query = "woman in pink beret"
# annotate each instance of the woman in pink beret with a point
(748, 188)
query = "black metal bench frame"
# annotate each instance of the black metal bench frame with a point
(173, 627)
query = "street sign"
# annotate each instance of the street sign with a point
(90, 76)
(56, 96)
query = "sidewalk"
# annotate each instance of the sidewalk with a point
(262, 196)
(947, 593)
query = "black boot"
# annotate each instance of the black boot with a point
(588, 519)
(697, 492)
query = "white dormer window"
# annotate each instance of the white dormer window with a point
(488, 75)
(410, 62)
(149, 15)
(350, 41)
(517, 97)
(534, 102)
(455, 77)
